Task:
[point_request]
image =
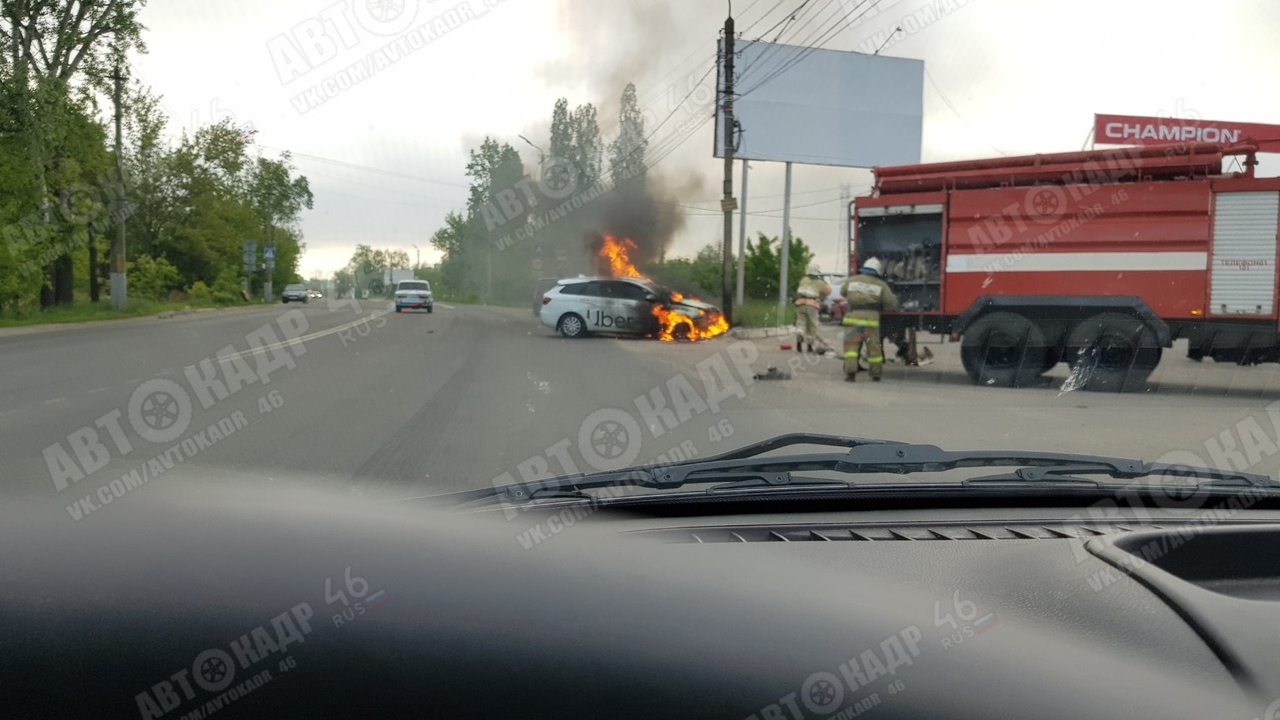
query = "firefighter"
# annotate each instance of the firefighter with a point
(808, 303)
(867, 295)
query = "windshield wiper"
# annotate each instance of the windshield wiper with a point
(746, 468)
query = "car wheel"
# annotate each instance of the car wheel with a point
(572, 326)
(431, 309)
(284, 301)
(397, 308)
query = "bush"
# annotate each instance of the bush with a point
(198, 292)
(153, 278)
(227, 289)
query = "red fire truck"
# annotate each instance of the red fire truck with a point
(1099, 259)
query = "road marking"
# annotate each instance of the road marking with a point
(98, 390)
(299, 340)
(448, 307)
(55, 400)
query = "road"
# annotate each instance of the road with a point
(382, 405)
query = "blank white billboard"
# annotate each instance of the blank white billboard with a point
(824, 107)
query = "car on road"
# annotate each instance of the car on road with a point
(294, 293)
(414, 295)
(315, 294)
(581, 306)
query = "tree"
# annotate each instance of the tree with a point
(398, 260)
(561, 131)
(763, 268)
(277, 198)
(587, 148)
(627, 151)
(56, 59)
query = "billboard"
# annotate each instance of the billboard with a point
(824, 107)
(1138, 130)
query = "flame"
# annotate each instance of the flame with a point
(672, 325)
(619, 259)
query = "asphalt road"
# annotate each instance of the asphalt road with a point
(382, 405)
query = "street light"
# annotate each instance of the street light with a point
(418, 261)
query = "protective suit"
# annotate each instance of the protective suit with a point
(808, 303)
(867, 296)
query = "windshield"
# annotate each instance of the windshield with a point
(892, 219)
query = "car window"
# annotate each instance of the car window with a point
(573, 289)
(414, 286)
(628, 291)
(595, 289)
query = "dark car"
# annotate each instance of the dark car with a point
(294, 293)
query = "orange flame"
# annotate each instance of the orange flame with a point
(619, 259)
(672, 325)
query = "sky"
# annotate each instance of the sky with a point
(384, 145)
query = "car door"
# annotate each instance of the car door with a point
(631, 305)
(595, 307)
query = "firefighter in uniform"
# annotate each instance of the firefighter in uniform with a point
(808, 301)
(867, 295)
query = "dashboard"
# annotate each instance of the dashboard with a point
(288, 607)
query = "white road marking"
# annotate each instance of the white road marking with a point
(298, 340)
(55, 400)
(98, 390)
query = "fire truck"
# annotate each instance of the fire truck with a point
(1099, 259)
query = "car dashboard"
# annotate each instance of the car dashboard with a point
(737, 610)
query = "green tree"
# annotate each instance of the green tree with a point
(562, 142)
(588, 150)
(763, 268)
(627, 151)
(56, 60)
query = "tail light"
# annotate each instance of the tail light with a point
(545, 299)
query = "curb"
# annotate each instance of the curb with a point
(759, 333)
(107, 322)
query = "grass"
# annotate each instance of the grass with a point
(85, 311)
(762, 313)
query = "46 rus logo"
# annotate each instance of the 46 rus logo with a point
(213, 670)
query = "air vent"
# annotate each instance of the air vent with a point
(871, 532)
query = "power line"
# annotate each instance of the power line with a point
(810, 48)
(366, 168)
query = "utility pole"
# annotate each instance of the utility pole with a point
(842, 255)
(785, 251)
(728, 204)
(742, 237)
(119, 279)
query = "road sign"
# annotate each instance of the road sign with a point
(250, 255)
(269, 254)
(537, 263)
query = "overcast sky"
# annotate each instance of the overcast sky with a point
(386, 154)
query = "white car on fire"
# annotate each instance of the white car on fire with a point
(581, 306)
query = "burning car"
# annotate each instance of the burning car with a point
(577, 307)
(625, 302)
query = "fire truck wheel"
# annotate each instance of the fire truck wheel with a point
(1113, 352)
(1003, 349)
(572, 326)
